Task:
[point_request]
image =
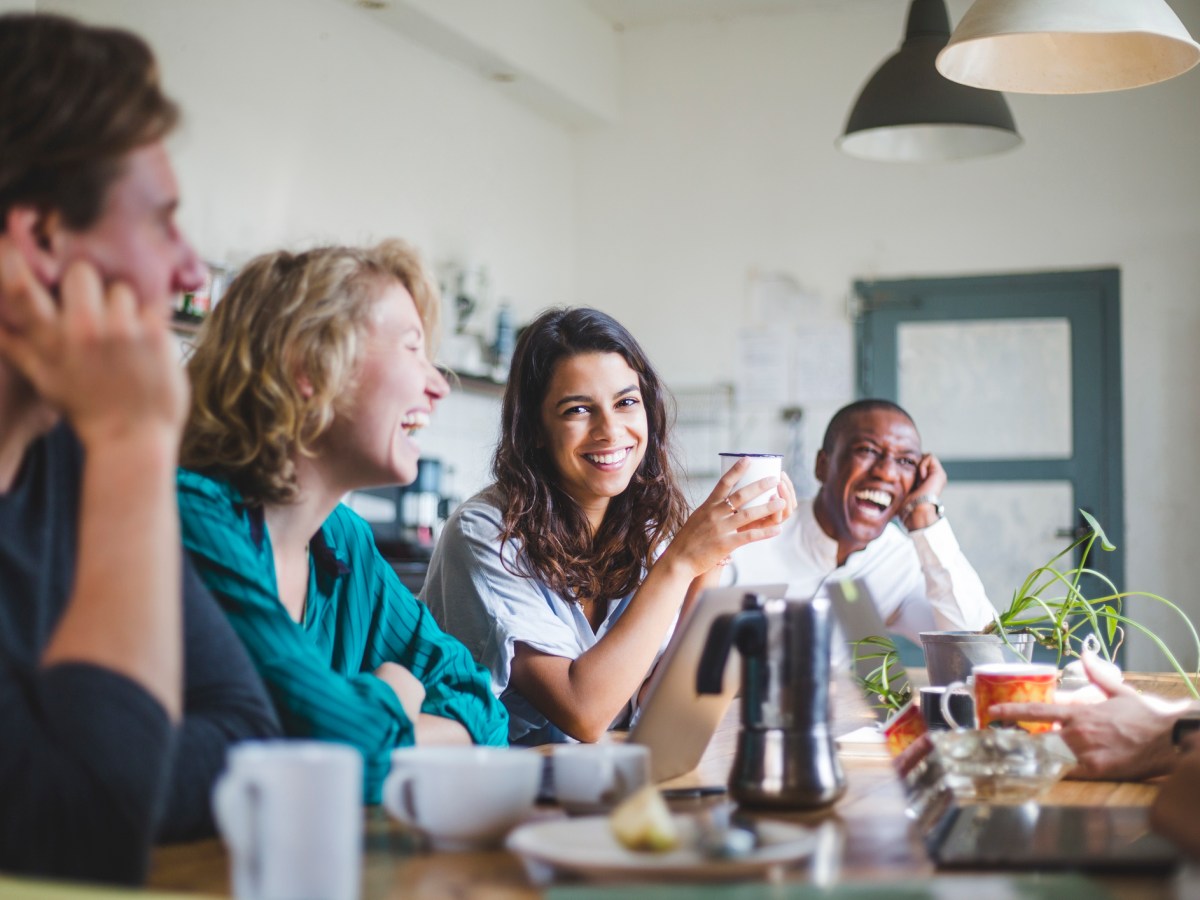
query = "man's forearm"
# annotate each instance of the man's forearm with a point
(956, 596)
(125, 610)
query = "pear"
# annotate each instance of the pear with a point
(643, 822)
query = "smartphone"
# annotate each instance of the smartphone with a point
(692, 793)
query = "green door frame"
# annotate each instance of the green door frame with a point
(1090, 300)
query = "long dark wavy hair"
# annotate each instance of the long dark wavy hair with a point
(557, 545)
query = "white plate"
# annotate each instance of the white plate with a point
(586, 846)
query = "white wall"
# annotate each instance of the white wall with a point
(723, 163)
(306, 121)
(560, 58)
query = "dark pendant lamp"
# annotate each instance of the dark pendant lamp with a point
(908, 112)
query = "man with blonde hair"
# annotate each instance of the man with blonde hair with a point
(121, 684)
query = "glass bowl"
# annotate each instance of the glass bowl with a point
(1001, 765)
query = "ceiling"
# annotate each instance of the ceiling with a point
(632, 13)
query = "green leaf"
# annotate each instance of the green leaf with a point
(1056, 621)
(1110, 620)
(880, 680)
(1095, 526)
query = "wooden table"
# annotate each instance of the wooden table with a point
(864, 837)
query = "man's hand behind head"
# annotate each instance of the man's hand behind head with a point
(96, 356)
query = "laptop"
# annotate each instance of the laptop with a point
(859, 620)
(676, 723)
(1029, 836)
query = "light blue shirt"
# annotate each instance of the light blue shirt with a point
(475, 595)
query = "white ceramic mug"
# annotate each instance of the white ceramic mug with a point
(462, 797)
(592, 778)
(291, 814)
(762, 465)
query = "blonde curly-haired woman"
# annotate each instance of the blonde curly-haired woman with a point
(309, 380)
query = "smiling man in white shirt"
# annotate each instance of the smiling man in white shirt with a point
(872, 472)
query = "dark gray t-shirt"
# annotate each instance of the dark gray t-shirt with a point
(91, 770)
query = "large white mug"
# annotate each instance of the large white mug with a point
(761, 465)
(462, 797)
(593, 778)
(291, 814)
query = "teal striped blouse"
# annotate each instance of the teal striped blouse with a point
(357, 616)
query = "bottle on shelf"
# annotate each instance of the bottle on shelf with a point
(506, 339)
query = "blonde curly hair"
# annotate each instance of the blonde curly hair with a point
(288, 315)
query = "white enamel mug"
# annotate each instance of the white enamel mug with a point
(762, 465)
(291, 814)
(462, 797)
(593, 778)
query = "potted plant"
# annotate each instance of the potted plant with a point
(1051, 609)
(885, 681)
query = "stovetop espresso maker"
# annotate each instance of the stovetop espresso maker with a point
(785, 752)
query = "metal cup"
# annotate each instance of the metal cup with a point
(962, 708)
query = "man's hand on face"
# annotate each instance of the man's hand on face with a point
(930, 479)
(108, 364)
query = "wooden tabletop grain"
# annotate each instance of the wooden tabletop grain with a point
(864, 837)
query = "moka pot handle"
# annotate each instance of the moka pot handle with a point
(746, 629)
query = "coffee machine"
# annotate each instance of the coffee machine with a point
(785, 752)
(420, 511)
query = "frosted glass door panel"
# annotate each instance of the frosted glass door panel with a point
(988, 389)
(1007, 529)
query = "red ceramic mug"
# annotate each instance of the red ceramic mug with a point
(903, 728)
(1005, 683)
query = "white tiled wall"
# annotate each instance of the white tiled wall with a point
(463, 435)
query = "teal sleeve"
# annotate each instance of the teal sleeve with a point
(404, 631)
(311, 698)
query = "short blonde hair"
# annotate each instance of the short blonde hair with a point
(288, 315)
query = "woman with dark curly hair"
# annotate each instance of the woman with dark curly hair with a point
(565, 577)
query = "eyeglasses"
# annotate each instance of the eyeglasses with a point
(877, 455)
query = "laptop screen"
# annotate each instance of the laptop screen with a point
(675, 721)
(862, 629)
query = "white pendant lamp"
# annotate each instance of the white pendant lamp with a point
(1067, 46)
(907, 112)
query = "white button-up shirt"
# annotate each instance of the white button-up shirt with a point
(920, 580)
